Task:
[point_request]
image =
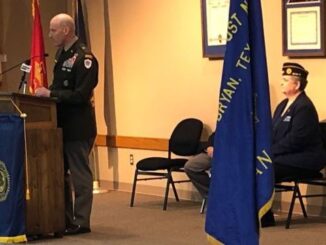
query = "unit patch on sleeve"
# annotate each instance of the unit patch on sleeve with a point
(88, 63)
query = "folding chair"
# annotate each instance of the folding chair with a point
(292, 184)
(184, 141)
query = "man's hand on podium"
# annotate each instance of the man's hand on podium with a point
(42, 92)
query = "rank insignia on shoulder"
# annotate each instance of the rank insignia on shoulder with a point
(88, 63)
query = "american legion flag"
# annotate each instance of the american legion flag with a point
(12, 202)
(241, 189)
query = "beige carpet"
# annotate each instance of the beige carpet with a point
(114, 222)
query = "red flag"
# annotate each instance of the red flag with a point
(38, 76)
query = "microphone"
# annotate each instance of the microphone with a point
(23, 67)
(26, 67)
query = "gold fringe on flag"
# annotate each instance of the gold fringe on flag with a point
(24, 115)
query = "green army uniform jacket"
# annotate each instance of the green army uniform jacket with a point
(75, 75)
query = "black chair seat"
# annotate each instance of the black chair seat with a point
(157, 163)
(308, 176)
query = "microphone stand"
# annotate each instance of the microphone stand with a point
(11, 68)
(23, 83)
(22, 62)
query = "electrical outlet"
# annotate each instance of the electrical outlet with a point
(131, 159)
(3, 58)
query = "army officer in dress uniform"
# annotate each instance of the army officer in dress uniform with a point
(75, 76)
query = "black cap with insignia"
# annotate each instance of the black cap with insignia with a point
(294, 69)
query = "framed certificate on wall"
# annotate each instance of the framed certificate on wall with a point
(215, 14)
(303, 28)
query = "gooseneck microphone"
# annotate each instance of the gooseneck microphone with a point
(28, 61)
(25, 67)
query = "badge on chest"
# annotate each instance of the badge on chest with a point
(287, 119)
(69, 63)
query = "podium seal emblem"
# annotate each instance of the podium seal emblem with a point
(4, 182)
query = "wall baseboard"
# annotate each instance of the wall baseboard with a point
(132, 142)
(312, 210)
(150, 190)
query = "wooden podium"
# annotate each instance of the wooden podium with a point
(44, 177)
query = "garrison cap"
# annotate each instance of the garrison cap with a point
(294, 69)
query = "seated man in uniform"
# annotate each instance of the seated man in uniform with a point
(297, 148)
(196, 167)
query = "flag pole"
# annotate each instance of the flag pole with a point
(93, 158)
(95, 169)
(78, 15)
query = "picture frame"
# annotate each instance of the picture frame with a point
(214, 14)
(303, 28)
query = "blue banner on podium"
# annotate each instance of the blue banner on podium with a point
(12, 203)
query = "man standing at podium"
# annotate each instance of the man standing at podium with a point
(75, 75)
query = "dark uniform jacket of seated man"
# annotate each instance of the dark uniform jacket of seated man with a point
(296, 136)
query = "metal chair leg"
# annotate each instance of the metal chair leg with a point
(288, 221)
(301, 201)
(134, 189)
(168, 182)
(165, 204)
(203, 206)
(173, 186)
